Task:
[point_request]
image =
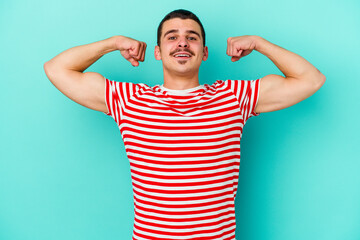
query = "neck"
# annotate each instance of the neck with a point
(181, 81)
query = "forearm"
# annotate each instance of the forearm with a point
(79, 58)
(289, 63)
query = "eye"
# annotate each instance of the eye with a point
(192, 38)
(172, 38)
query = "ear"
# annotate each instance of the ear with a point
(206, 53)
(157, 53)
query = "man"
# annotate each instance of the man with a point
(182, 138)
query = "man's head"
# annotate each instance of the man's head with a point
(181, 40)
(182, 14)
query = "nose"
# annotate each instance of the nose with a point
(183, 42)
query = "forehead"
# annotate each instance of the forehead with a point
(182, 25)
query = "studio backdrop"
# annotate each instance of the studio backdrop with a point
(64, 173)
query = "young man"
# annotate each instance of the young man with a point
(182, 138)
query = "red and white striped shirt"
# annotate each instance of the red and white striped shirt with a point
(184, 153)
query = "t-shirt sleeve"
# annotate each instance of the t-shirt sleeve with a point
(117, 95)
(247, 94)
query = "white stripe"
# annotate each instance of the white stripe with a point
(186, 209)
(174, 152)
(192, 165)
(200, 110)
(193, 187)
(187, 124)
(189, 180)
(189, 216)
(130, 141)
(184, 118)
(175, 159)
(204, 137)
(201, 131)
(184, 230)
(182, 195)
(144, 99)
(183, 173)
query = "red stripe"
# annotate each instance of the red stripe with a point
(184, 220)
(181, 184)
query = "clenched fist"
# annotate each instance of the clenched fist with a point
(131, 49)
(241, 46)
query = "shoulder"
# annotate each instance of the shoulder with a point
(242, 85)
(126, 86)
(229, 84)
(218, 85)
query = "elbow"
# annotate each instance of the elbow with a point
(46, 68)
(47, 65)
(315, 82)
(49, 70)
(321, 80)
(318, 80)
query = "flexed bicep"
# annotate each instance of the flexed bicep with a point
(278, 92)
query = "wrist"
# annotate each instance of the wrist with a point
(105, 46)
(117, 42)
(259, 41)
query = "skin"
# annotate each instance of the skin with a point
(181, 73)
(66, 70)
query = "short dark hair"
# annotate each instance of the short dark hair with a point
(183, 14)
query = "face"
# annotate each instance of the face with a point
(181, 47)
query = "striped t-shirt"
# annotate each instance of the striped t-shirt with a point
(184, 153)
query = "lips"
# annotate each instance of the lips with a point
(182, 55)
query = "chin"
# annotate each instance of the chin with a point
(183, 69)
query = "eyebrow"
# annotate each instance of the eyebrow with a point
(176, 31)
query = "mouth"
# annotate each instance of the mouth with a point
(182, 55)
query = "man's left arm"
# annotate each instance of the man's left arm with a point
(301, 79)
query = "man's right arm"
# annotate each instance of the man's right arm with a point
(66, 70)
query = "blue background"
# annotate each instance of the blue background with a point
(63, 168)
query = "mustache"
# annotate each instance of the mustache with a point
(182, 50)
